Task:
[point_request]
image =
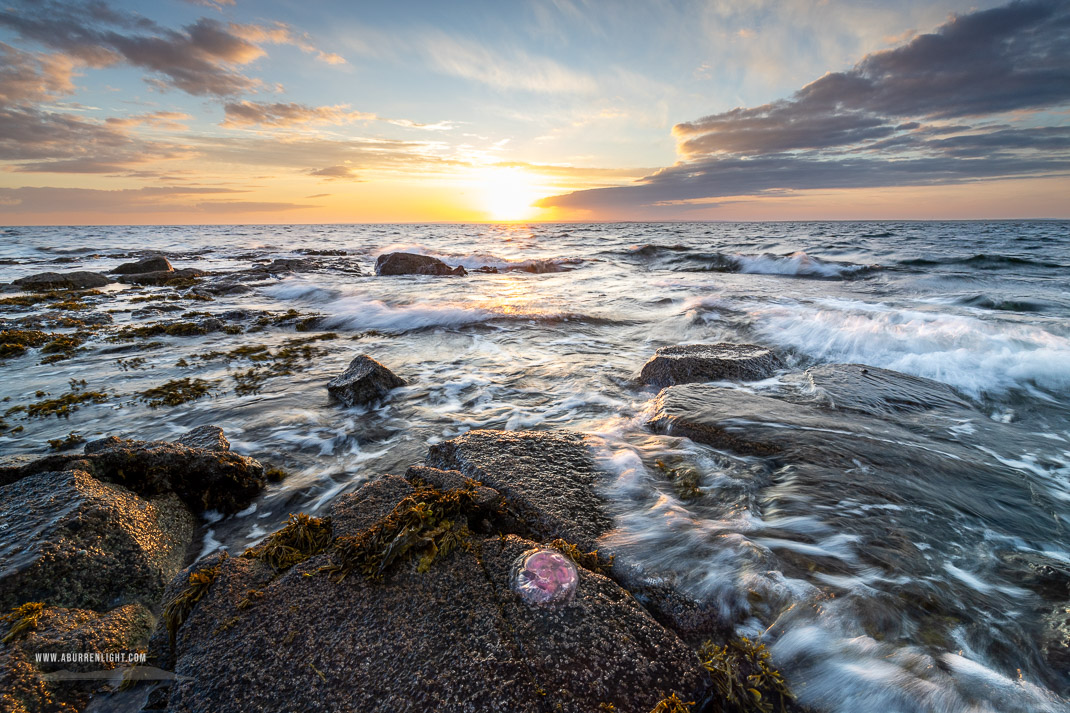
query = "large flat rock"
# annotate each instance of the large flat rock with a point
(453, 638)
(73, 541)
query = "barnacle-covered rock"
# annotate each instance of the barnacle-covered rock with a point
(73, 541)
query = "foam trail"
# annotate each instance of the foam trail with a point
(973, 355)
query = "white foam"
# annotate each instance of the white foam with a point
(973, 355)
(797, 263)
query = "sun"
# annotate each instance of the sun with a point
(507, 193)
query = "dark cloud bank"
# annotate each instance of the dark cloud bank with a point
(966, 102)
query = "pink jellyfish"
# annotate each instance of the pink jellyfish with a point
(545, 578)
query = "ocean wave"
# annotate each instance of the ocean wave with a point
(796, 264)
(982, 261)
(474, 261)
(973, 355)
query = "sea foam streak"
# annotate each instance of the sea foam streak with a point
(973, 355)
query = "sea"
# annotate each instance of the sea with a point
(964, 610)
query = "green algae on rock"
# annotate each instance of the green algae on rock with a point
(176, 392)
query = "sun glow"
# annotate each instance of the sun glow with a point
(508, 193)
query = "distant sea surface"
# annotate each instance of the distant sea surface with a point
(949, 621)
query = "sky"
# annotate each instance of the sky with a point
(327, 111)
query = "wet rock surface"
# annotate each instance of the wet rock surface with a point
(548, 479)
(62, 281)
(686, 363)
(206, 437)
(153, 263)
(73, 541)
(412, 264)
(453, 638)
(202, 479)
(874, 391)
(163, 277)
(365, 380)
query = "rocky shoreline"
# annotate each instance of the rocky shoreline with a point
(403, 596)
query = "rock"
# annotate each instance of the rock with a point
(164, 277)
(353, 512)
(874, 391)
(550, 485)
(364, 380)
(685, 363)
(548, 479)
(62, 281)
(72, 541)
(203, 479)
(453, 638)
(286, 265)
(488, 269)
(69, 631)
(209, 438)
(154, 263)
(412, 264)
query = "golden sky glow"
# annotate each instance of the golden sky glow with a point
(234, 112)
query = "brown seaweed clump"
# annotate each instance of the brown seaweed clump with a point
(672, 704)
(176, 392)
(588, 560)
(303, 536)
(176, 611)
(23, 619)
(14, 342)
(743, 676)
(66, 404)
(427, 524)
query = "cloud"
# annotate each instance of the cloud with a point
(170, 120)
(201, 59)
(516, 70)
(335, 173)
(287, 114)
(169, 199)
(885, 122)
(29, 77)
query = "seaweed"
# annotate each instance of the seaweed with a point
(588, 560)
(672, 704)
(62, 444)
(176, 392)
(743, 676)
(14, 342)
(427, 524)
(63, 405)
(62, 347)
(303, 536)
(292, 355)
(685, 479)
(177, 610)
(23, 619)
(173, 329)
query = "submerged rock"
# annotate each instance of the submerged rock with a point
(162, 277)
(453, 638)
(365, 380)
(203, 479)
(209, 438)
(73, 541)
(62, 281)
(875, 391)
(412, 264)
(685, 363)
(154, 263)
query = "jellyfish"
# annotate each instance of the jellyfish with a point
(545, 578)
